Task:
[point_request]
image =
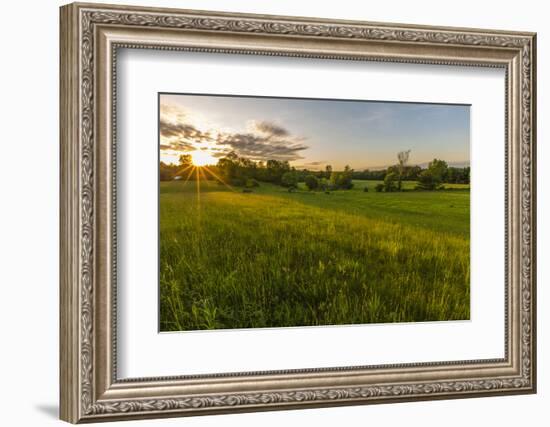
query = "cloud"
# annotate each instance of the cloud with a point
(172, 113)
(269, 128)
(176, 136)
(182, 132)
(264, 140)
(176, 132)
(262, 147)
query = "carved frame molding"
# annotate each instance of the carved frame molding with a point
(90, 37)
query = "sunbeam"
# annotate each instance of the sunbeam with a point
(218, 178)
(197, 177)
(184, 169)
(188, 176)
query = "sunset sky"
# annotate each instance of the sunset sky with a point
(312, 133)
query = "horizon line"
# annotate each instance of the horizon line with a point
(458, 164)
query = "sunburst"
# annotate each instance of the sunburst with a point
(202, 158)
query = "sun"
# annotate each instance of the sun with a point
(202, 158)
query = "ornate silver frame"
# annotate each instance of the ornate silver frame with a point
(90, 36)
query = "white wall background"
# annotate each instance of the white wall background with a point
(29, 170)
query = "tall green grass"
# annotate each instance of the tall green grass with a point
(273, 258)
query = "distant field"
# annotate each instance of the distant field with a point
(271, 258)
(406, 185)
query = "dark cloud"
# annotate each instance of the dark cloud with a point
(270, 128)
(265, 141)
(261, 147)
(181, 136)
(181, 146)
(176, 133)
(182, 131)
(220, 154)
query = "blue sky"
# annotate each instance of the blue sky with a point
(313, 133)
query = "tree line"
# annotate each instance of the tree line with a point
(243, 172)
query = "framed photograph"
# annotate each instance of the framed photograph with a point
(265, 212)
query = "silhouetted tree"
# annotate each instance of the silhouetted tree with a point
(402, 159)
(328, 171)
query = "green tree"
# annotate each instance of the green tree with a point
(412, 172)
(432, 177)
(426, 181)
(389, 182)
(346, 179)
(167, 172)
(466, 175)
(290, 179)
(439, 169)
(185, 160)
(228, 167)
(328, 171)
(275, 170)
(402, 159)
(312, 183)
(342, 180)
(452, 175)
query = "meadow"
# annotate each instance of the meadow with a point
(273, 258)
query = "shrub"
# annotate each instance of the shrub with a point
(289, 179)
(379, 188)
(365, 189)
(247, 190)
(431, 178)
(389, 182)
(323, 184)
(237, 182)
(312, 183)
(428, 181)
(342, 180)
(251, 183)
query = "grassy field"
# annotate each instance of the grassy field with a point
(271, 258)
